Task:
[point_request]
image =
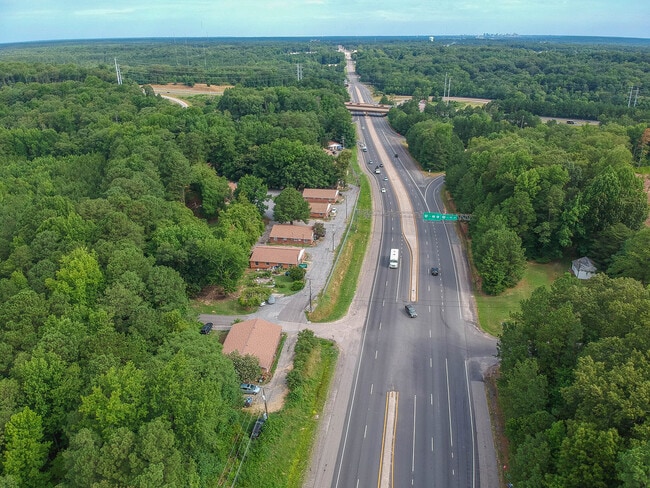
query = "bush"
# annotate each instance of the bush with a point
(297, 285)
(296, 273)
(254, 295)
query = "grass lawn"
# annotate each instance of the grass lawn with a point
(492, 311)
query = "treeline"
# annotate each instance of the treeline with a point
(115, 207)
(252, 63)
(545, 192)
(539, 192)
(589, 81)
(575, 385)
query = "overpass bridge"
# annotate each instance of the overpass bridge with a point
(367, 109)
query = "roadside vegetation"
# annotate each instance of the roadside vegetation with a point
(279, 458)
(334, 301)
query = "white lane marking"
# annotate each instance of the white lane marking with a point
(451, 433)
(414, 414)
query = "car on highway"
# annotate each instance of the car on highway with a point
(381, 165)
(249, 388)
(207, 328)
(377, 170)
(385, 178)
(435, 271)
(410, 310)
(370, 162)
(383, 190)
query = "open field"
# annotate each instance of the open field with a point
(492, 311)
(197, 89)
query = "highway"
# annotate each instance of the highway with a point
(433, 363)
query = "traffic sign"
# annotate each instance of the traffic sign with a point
(439, 217)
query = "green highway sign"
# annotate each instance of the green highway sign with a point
(438, 217)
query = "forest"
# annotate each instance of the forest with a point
(538, 76)
(116, 209)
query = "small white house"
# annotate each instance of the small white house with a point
(583, 268)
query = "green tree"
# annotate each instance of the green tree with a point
(246, 366)
(290, 206)
(244, 216)
(634, 466)
(634, 259)
(588, 456)
(116, 400)
(319, 230)
(499, 259)
(25, 452)
(255, 191)
(80, 278)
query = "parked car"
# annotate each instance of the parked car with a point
(207, 328)
(410, 309)
(248, 401)
(249, 388)
(257, 428)
(435, 271)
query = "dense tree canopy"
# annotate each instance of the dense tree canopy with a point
(575, 383)
(116, 207)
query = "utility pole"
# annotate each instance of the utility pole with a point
(266, 407)
(310, 295)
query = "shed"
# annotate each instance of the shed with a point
(292, 234)
(267, 257)
(256, 337)
(583, 268)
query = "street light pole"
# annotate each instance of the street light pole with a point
(333, 234)
(310, 294)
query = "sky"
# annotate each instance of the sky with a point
(35, 20)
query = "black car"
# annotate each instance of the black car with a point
(410, 309)
(435, 271)
(207, 328)
(257, 428)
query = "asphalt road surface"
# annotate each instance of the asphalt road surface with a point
(435, 362)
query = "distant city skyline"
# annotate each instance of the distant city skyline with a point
(36, 20)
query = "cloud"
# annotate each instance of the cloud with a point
(104, 11)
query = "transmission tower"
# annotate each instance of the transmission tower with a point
(299, 71)
(447, 89)
(636, 96)
(118, 72)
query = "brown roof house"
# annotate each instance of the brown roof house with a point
(292, 234)
(267, 257)
(320, 195)
(319, 210)
(256, 337)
